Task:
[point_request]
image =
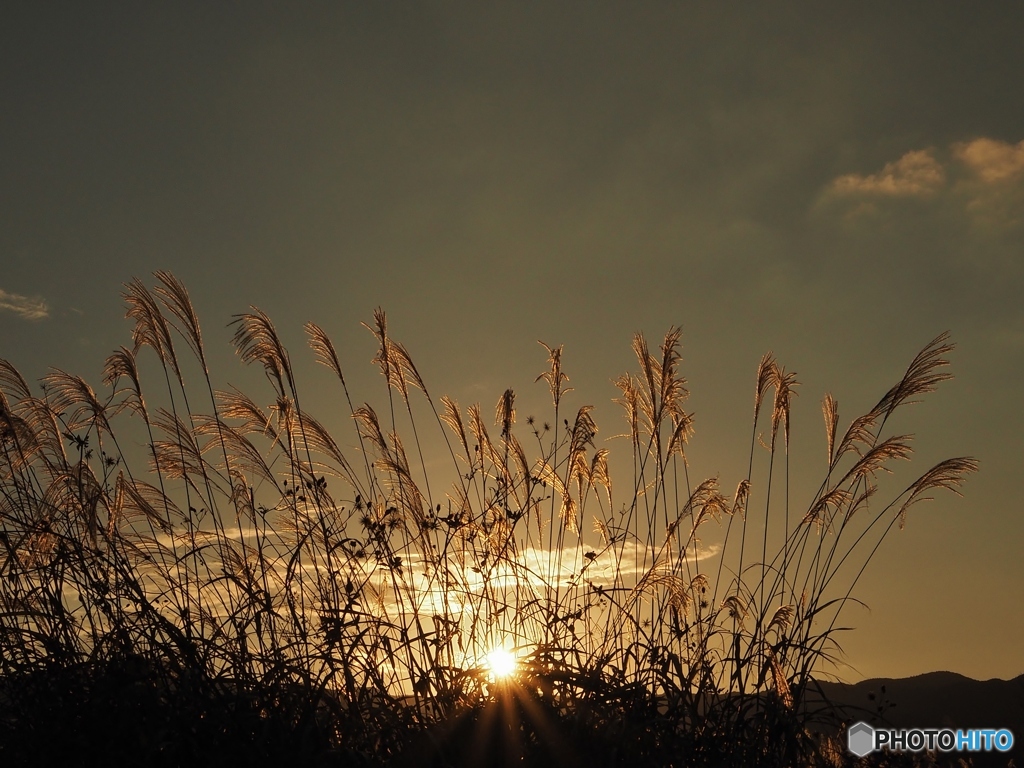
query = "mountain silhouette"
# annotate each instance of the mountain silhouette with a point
(935, 700)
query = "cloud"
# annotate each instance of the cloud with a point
(981, 179)
(916, 174)
(992, 192)
(29, 308)
(991, 160)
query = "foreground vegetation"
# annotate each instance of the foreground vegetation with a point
(247, 590)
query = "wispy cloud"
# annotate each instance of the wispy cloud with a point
(990, 160)
(916, 174)
(27, 307)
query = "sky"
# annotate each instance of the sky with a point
(837, 183)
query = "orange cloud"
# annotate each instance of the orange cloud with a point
(916, 174)
(991, 160)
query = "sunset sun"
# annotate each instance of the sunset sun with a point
(501, 663)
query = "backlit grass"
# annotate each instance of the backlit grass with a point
(244, 589)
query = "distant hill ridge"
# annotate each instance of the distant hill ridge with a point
(935, 700)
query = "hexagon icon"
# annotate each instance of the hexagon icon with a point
(860, 739)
